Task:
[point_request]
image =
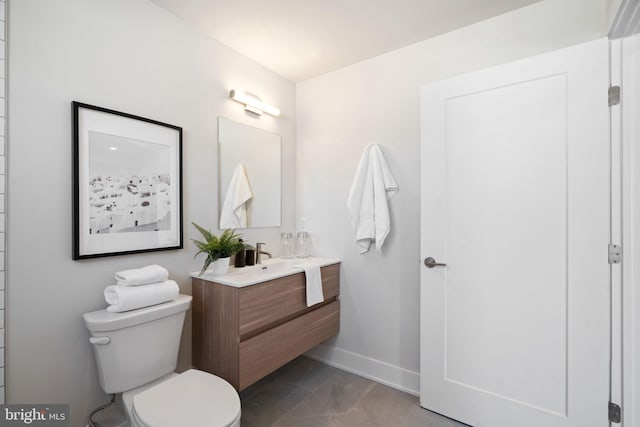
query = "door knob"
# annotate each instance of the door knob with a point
(430, 263)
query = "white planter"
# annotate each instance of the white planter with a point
(220, 266)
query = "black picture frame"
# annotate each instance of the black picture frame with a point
(127, 183)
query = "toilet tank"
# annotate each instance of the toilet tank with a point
(138, 346)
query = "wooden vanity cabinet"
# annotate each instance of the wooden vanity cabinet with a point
(243, 334)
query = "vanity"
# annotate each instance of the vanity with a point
(253, 320)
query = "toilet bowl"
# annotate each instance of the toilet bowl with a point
(193, 398)
(137, 353)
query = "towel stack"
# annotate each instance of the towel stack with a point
(140, 287)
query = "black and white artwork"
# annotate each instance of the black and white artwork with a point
(127, 183)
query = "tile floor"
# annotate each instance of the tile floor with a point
(307, 393)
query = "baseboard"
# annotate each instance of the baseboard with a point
(381, 372)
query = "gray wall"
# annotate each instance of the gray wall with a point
(131, 56)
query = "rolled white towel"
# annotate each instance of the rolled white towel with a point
(142, 276)
(125, 298)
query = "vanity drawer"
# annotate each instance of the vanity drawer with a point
(268, 304)
(266, 352)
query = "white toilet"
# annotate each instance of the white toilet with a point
(137, 353)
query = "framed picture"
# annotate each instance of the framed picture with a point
(127, 189)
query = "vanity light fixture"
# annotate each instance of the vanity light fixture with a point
(252, 103)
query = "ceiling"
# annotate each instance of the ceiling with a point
(300, 39)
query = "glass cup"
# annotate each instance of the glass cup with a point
(287, 246)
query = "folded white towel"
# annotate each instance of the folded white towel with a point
(125, 298)
(234, 208)
(314, 282)
(372, 187)
(142, 276)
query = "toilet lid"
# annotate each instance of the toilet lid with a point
(193, 398)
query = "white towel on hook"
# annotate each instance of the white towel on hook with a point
(234, 208)
(372, 187)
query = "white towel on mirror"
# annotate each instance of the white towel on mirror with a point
(125, 298)
(141, 276)
(313, 277)
(234, 208)
(372, 187)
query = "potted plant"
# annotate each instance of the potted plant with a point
(218, 249)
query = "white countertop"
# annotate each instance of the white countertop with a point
(269, 269)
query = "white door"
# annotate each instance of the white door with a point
(515, 201)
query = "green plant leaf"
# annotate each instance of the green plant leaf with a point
(205, 233)
(217, 247)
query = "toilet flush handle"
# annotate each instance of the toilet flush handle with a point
(99, 340)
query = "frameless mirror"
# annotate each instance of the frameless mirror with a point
(250, 176)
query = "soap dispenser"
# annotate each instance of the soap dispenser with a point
(303, 244)
(303, 240)
(240, 256)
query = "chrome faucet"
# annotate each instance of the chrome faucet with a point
(260, 252)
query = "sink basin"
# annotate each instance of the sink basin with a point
(269, 269)
(274, 266)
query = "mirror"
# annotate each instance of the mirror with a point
(250, 176)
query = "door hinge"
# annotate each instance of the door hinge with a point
(615, 254)
(614, 95)
(615, 413)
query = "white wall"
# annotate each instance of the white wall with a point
(131, 56)
(377, 100)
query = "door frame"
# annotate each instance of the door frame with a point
(625, 71)
(626, 307)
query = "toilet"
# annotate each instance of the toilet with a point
(136, 355)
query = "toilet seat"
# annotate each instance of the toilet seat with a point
(193, 398)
